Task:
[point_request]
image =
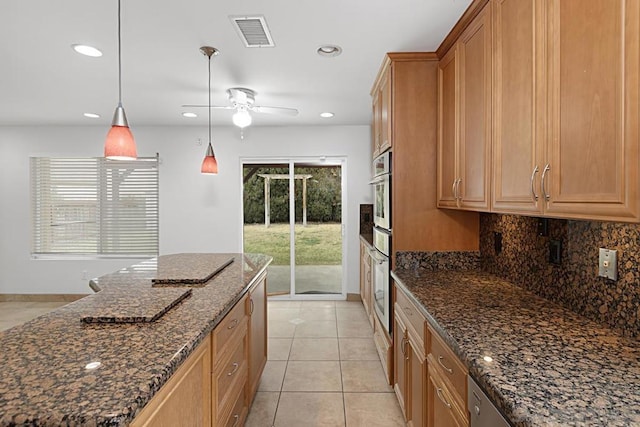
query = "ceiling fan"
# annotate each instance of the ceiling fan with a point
(243, 100)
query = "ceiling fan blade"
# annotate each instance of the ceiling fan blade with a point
(275, 110)
(219, 107)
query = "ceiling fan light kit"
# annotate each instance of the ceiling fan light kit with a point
(209, 163)
(120, 144)
(242, 118)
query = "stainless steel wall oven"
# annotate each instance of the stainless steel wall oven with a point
(382, 239)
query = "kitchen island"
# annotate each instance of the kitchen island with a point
(59, 370)
(541, 364)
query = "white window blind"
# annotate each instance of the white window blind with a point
(94, 206)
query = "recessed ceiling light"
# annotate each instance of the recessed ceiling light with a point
(327, 115)
(190, 115)
(92, 115)
(329, 50)
(86, 50)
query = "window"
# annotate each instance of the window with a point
(94, 206)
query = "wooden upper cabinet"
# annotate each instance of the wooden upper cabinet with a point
(518, 117)
(381, 124)
(592, 151)
(375, 124)
(448, 129)
(386, 136)
(464, 118)
(475, 114)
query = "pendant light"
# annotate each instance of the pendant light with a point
(209, 164)
(120, 144)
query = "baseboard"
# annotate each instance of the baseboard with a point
(41, 297)
(353, 297)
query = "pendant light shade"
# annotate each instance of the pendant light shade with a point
(120, 144)
(209, 164)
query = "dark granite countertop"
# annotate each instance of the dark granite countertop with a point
(368, 239)
(44, 375)
(540, 363)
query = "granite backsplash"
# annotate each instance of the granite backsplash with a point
(366, 218)
(436, 261)
(574, 283)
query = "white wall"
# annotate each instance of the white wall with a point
(198, 213)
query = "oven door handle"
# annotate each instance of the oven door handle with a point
(379, 179)
(379, 259)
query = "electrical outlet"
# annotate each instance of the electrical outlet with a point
(608, 264)
(555, 252)
(85, 275)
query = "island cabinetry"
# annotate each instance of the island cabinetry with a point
(464, 119)
(447, 388)
(257, 310)
(365, 281)
(186, 398)
(410, 366)
(230, 364)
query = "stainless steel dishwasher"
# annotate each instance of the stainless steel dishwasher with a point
(483, 413)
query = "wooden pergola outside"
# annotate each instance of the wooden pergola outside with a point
(267, 194)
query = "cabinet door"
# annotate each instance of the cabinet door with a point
(592, 155)
(385, 111)
(518, 106)
(400, 348)
(186, 398)
(375, 125)
(417, 385)
(474, 171)
(257, 334)
(447, 128)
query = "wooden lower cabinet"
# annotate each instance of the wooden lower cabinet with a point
(257, 310)
(442, 407)
(365, 281)
(410, 366)
(186, 398)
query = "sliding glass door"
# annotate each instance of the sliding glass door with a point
(293, 211)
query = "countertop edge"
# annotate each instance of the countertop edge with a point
(474, 371)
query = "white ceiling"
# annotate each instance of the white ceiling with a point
(43, 81)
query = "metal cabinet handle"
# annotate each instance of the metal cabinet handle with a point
(237, 419)
(235, 365)
(251, 310)
(233, 324)
(544, 174)
(440, 359)
(453, 189)
(407, 309)
(458, 188)
(533, 190)
(406, 350)
(402, 346)
(442, 399)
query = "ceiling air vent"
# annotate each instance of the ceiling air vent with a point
(253, 30)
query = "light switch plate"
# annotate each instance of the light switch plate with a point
(608, 264)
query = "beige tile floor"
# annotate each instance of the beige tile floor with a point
(322, 370)
(14, 313)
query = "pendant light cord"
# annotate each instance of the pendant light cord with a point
(209, 99)
(119, 60)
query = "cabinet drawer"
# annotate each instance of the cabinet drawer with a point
(231, 371)
(232, 322)
(239, 411)
(449, 366)
(415, 319)
(443, 408)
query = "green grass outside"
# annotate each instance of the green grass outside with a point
(316, 244)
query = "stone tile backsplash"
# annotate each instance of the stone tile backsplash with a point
(435, 261)
(574, 283)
